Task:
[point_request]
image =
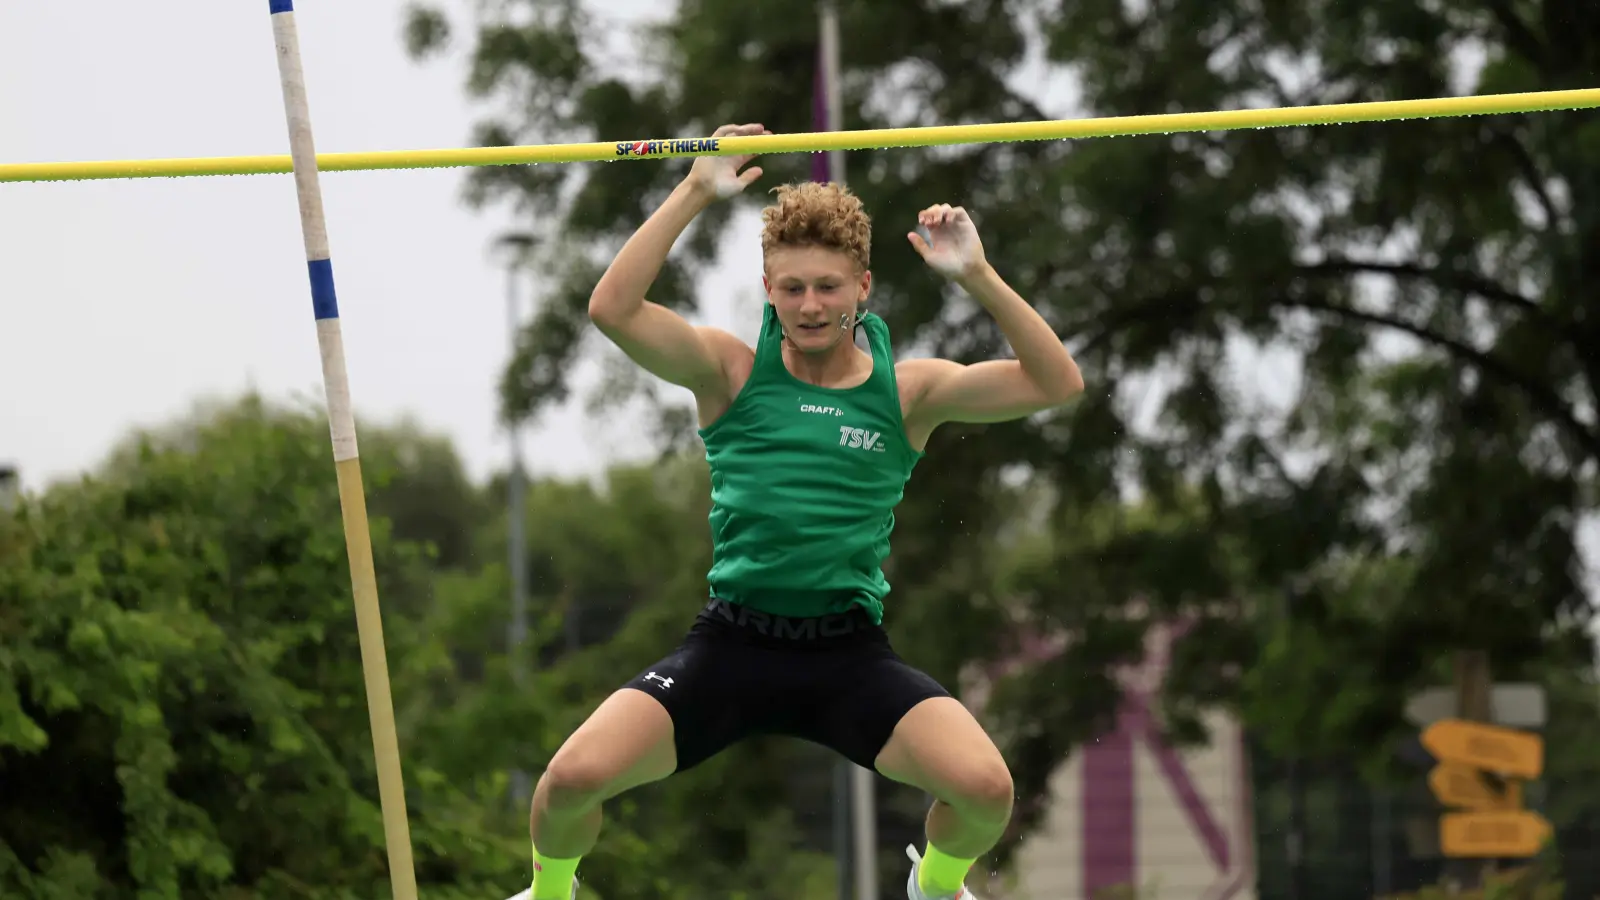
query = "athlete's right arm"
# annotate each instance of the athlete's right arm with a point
(662, 342)
(658, 339)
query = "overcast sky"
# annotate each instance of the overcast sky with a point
(126, 301)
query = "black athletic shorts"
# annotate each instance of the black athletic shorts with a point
(833, 680)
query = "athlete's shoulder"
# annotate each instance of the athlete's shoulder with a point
(915, 376)
(925, 367)
(730, 350)
(723, 340)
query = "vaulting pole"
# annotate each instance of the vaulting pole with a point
(346, 461)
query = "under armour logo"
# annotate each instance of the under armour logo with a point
(665, 682)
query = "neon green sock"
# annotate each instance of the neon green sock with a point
(942, 875)
(552, 878)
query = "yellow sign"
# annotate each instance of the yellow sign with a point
(1499, 750)
(1493, 834)
(1466, 788)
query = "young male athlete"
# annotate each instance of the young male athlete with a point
(810, 442)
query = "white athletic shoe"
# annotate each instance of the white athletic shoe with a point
(914, 892)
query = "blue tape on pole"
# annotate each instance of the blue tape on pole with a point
(279, 6)
(324, 302)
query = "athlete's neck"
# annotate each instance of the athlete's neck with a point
(841, 366)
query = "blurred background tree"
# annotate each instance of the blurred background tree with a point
(1341, 372)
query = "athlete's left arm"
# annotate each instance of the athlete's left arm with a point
(1043, 375)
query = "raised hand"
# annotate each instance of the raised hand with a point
(954, 249)
(720, 175)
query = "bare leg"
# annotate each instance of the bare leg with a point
(625, 743)
(939, 747)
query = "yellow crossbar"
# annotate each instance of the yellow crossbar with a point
(1063, 129)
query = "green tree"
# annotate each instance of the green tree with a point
(181, 703)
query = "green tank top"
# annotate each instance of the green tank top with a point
(804, 482)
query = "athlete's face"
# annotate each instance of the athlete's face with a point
(813, 290)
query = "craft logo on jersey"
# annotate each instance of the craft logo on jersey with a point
(821, 410)
(652, 148)
(862, 438)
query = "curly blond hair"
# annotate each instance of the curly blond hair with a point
(811, 214)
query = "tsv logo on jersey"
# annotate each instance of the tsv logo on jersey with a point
(860, 437)
(652, 148)
(821, 410)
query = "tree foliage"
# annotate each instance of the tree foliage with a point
(181, 691)
(1343, 369)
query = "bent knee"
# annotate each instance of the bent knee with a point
(984, 789)
(572, 783)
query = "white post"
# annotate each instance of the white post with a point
(346, 460)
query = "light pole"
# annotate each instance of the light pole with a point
(516, 540)
(853, 787)
(9, 487)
